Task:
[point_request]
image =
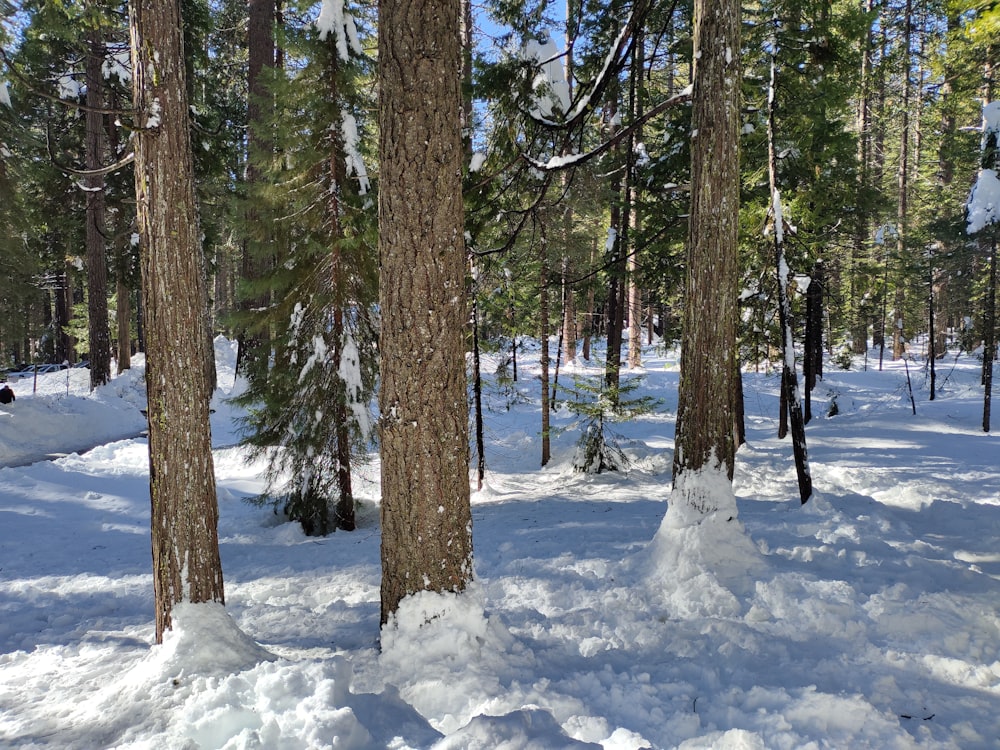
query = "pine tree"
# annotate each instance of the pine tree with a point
(309, 408)
(706, 409)
(179, 362)
(426, 515)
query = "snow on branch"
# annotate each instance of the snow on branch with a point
(556, 163)
(983, 207)
(332, 17)
(554, 82)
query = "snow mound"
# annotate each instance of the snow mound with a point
(439, 639)
(527, 729)
(204, 640)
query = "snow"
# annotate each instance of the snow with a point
(868, 618)
(983, 207)
(155, 114)
(477, 161)
(984, 203)
(333, 18)
(551, 89)
(68, 87)
(355, 164)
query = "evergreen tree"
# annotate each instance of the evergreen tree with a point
(180, 363)
(704, 440)
(426, 514)
(309, 409)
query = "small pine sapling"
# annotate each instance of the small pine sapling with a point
(599, 405)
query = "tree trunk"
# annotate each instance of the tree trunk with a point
(812, 362)
(705, 411)
(124, 321)
(344, 511)
(477, 394)
(862, 224)
(186, 564)
(337, 166)
(252, 347)
(903, 186)
(632, 271)
(543, 336)
(97, 262)
(569, 317)
(789, 381)
(588, 327)
(989, 334)
(426, 514)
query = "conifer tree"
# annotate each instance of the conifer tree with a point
(426, 514)
(180, 361)
(309, 408)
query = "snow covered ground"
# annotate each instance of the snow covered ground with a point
(870, 618)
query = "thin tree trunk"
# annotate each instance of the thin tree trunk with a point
(477, 390)
(543, 335)
(789, 381)
(588, 328)
(862, 225)
(124, 321)
(632, 269)
(569, 317)
(253, 345)
(989, 344)
(903, 185)
(97, 264)
(337, 165)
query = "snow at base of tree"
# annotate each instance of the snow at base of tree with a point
(868, 618)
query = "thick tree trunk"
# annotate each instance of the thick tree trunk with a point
(426, 514)
(705, 411)
(97, 262)
(186, 564)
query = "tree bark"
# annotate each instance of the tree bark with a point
(253, 345)
(186, 564)
(705, 411)
(903, 187)
(97, 262)
(426, 514)
(543, 337)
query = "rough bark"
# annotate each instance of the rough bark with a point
(186, 564)
(426, 515)
(705, 412)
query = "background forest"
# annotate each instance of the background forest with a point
(576, 130)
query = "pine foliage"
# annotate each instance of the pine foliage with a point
(309, 409)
